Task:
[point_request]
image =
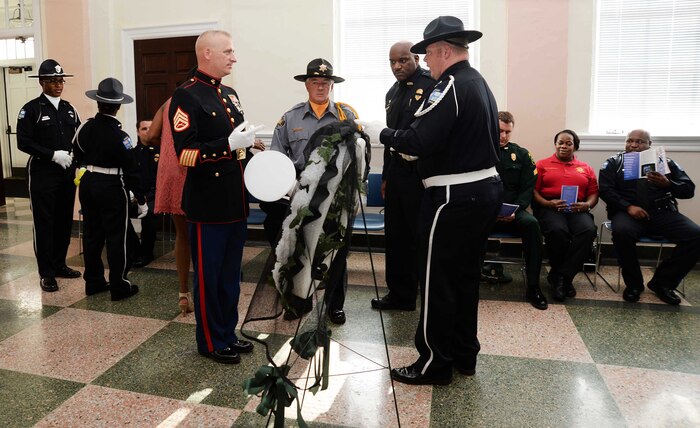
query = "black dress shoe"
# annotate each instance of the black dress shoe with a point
(337, 316)
(142, 261)
(66, 272)
(223, 356)
(242, 346)
(98, 289)
(467, 371)
(48, 284)
(120, 295)
(631, 294)
(569, 289)
(665, 294)
(557, 283)
(536, 298)
(412, 376)
(388, 304)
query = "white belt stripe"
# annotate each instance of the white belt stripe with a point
(427, 279)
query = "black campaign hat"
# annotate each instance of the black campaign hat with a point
(444, 28)
(51, 68)
(109, 91)
(319, 67)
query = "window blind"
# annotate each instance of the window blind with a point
(365, 31)
(647, 67)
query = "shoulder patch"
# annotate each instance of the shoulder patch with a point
(127, 143)
(434, 96)
(181, 120)
(22, 113)
(281, 122)
(605, 165)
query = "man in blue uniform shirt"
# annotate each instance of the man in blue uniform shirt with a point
(45, 128)
(648, 206)
(455, 136)
(211, 138)
(402, 188)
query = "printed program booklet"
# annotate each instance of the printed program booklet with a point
(636, 165)
(569, 194)
(508, 210)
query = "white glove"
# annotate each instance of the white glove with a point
(143, 210)
(373, 129)
(132, 198)
(62, 158)
(240, 139)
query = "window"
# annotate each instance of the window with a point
(647, 67)
(19, 48)
(367, 29)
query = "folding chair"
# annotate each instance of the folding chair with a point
(373, 221)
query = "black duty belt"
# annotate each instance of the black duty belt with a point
(409, 165)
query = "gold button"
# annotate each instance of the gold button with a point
(219, 90)
(192, 79)
(213, 82)
(216, 174)
(232, 121)
(213, 113)
(204, 156)
(228, 110)
(225, 153)
(213, 155)
(224, 100)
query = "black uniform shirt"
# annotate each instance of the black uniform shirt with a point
(619, 193)
(101, 142)
(459, 133)
(147, 161)
(402, 101)
(203, 113)
(41, 129)
(518, 173)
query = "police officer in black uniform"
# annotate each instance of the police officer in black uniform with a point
(147, 163)
(402, 188)
(648, 206)
(210, 140)
(106, 151)
(455, 136)
(45, 127)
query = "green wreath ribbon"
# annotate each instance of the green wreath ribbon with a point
(276, 393)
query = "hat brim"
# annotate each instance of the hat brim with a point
(92, 94)
(470, 35)
(38, 76)
(303, 77)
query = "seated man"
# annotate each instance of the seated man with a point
(648, 206)
(519, 175)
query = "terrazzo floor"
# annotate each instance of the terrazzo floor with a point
(67, 360)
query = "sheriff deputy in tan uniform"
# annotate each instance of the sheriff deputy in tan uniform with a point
(291, 136)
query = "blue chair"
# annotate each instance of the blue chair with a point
(373, 221)
(657, 241)
(256, 215)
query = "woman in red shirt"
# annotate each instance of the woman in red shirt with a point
(567, 227)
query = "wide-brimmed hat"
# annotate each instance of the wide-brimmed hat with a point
(109, 91)
(319, 67)
(446, 28)
(50, 68)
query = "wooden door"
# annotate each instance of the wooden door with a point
(161, 65)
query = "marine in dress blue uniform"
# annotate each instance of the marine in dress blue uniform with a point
(403, 188)
(648, 207)
(106, 151)
(203, 113)
(45, 128)
(455, 137)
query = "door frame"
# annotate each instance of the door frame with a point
(143, 33)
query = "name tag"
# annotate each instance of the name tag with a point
(43, 118)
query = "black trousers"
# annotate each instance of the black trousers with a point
(52, 197)
(527, 227)
(455, 223)
(105, 205)
(403, 195)
(568, 238)
(671, 225)
(337, 284)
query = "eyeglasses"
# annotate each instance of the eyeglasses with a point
(54, 81)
